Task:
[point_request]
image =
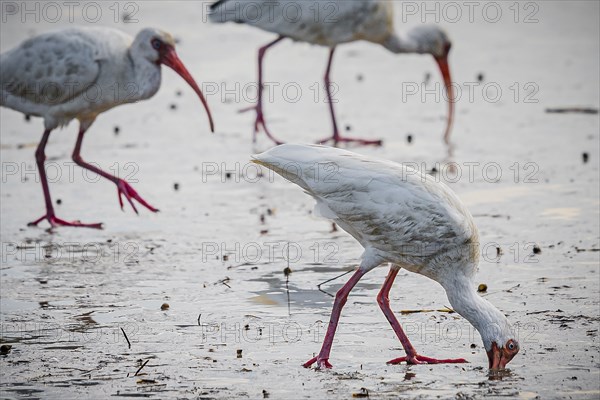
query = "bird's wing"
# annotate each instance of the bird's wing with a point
(52, 68)
(391, 213)
(324, 22)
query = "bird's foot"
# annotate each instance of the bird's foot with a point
(361, 142)
(55, 221)
(125, 189)
(321, 363)
(418, 359)
(259, 123)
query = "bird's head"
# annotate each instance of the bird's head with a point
(500, 343)
(431, 39)
(498, 337)
(159, 47)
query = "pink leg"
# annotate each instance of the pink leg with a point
(340, 299)
(336, 138)
(40, 157)
(411, 354)
(123, 188)
(260, 118)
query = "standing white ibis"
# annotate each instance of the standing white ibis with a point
(79, 73)
(403, 218)
(330, 23)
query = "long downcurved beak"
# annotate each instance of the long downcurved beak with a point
(171, 60)
(445, 70)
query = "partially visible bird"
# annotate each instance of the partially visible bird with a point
(78, 73)
(403, 218)
(330, 23)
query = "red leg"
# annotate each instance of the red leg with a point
(411, 354)
(341, 296)
(123, 188)
(40, 158)
(260, 118)
(336, 138)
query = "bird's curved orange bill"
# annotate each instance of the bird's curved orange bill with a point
(171, 60)
(445, 70)
(498, 357)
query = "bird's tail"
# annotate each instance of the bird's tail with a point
(224, 11)
(297, 163)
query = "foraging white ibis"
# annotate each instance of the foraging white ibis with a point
(403, 218)
(79, 73)
(330, 23)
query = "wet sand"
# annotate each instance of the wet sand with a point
(216, 252)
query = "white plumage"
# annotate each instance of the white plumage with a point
(402, 217)
(392, 210)
(330, 23)
(322, 22)
(49, 75)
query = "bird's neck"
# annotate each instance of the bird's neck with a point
(146, 75)
(397, 44)
(486, 318)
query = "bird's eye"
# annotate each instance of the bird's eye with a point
(156, 44)
(447, 47)
(511, 345)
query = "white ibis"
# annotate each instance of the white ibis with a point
(330, 23)
(403, 218)
(79, 73)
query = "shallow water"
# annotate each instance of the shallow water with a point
(68, 296)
